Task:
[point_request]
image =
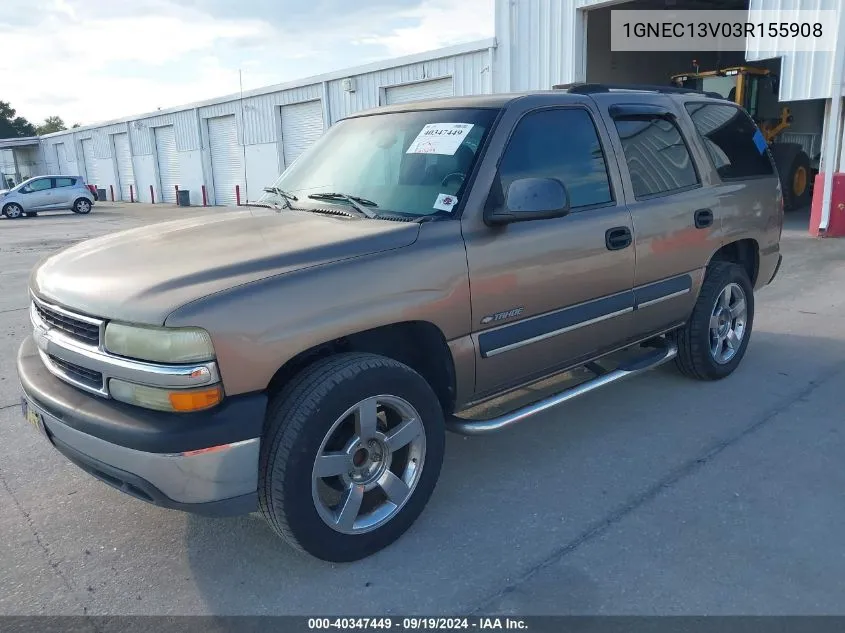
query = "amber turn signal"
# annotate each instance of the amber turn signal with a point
(195, 400)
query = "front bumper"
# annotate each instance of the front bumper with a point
(205, 462)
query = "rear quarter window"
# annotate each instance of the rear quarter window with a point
(735, 145)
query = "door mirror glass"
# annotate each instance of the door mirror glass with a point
(532, 199)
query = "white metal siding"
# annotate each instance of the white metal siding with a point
(61, 158)
(125, 171)
(227, 164)
(185, 131)
(168, 161)
(88, 159)
(302, 125)
(470, 73)
(803, 74)
(434, 89)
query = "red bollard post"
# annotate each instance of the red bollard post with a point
(204, 197)
(131, 194)
(152, 195)
(111, 191)
(238, 195)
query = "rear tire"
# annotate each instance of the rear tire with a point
(713, 342)
(316, 461)
(82, 206)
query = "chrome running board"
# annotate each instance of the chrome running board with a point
(481, 427)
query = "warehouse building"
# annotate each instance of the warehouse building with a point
(230, 148)
(236, 145)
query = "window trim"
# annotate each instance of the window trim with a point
(704, 140)
(672, 119)
(584, 207)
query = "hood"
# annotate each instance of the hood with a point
(142, 275)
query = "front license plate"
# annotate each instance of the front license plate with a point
(33, 417)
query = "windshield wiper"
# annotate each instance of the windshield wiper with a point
(356, 202)
(284, 195)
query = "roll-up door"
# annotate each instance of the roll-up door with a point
(168, 162)
(88, 159)
(123, 156)
(435, 89)
(61, 158)
(302, 125)
(227, 160)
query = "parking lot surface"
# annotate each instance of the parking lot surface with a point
(659, 495)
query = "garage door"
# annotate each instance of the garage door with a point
(61, 159)
(436, 89)
(88, 159)
(302, 124)
(125, 173)
(168, 162)
(227, 160)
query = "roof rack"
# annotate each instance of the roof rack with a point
(588, 88)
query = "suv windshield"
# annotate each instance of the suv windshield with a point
(412, 163)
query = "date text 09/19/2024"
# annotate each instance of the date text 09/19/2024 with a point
(417, 623)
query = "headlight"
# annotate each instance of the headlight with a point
(159, 344)
(181, 400)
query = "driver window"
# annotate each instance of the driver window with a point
(558, 143)
(37, 185)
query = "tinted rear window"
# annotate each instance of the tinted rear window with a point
(735, 145)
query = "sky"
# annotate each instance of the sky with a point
(93, 60)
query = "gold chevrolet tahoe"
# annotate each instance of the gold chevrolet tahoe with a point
(305, 356)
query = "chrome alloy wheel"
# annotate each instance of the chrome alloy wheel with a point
(727, 323)
(368, 464)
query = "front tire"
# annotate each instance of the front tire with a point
(13, 211)
(82, 206)
(351, 453)
(713, 342)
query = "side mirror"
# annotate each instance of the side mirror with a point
(532, 199)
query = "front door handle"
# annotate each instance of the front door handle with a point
(617, 238)
(703, 218)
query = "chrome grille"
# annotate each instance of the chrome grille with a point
(77, 328)
(79, 374)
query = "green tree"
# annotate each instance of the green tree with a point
(75, 125)
(12, 126)
(51, 124)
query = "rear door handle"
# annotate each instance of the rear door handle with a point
(617, 238)
(703, 218)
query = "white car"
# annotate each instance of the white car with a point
(46, 193)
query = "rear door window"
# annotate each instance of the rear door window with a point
(65, 182)
(735, 145)
(658, 159)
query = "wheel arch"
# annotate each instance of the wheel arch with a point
(418, 344)
(745, 252)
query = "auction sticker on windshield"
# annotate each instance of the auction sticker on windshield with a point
(445, 202)
(440, 138)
